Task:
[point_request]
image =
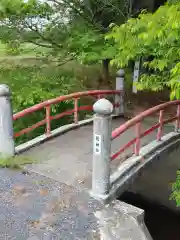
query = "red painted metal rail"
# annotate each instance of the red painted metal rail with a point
(47, 106)
(136, 122)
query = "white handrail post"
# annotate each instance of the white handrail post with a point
(102, 129)
(136, 75)
(7, 148)
(119, 98)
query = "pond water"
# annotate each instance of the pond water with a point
(162, 223)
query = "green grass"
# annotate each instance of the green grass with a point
(26, 49)
(16, 162)
(2, 49)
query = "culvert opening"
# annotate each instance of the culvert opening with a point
(162, 223)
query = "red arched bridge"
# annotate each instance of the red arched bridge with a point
(102, 153)
(67, 156)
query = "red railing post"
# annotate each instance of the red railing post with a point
(48, 120)
(99, 96)
(159, 133)
(76, 111)
(138, 139)
(178, 119)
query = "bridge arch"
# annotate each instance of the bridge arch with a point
(150, 173)
(145, 156)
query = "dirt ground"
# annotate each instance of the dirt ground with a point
(137, 103)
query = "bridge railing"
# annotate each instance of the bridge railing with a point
(7, 135)
(136, 122)
(75, 97)
(103, 137)
(97, 94)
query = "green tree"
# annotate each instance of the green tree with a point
(155, 38)
(72, 29)
(176, 190)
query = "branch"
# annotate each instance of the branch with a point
(34, 42)
(118, 9)
(71, 6)
(41, 36)
(39, 44)
(65, 61)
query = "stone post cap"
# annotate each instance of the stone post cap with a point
(4, 90)
(103, 107)
(120, 73)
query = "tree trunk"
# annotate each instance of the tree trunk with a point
(104, 80)
(105, 70)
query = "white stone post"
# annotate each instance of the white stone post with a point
(102, 129)
(7, 148)
(119, 98)
(136, 76)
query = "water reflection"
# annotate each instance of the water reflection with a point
(163, 224)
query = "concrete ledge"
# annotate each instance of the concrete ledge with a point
(129, 170)
(61, 130)
(119, 220)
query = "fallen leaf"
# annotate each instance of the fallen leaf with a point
(80, 181)
(43, 192)
(18, 189)
(34, 223)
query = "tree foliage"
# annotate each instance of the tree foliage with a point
(55, 24)
(155, 38)
(176, 190)
(39, 84)
(71, 29)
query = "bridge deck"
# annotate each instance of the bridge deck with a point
(68, 158)
(55, 208)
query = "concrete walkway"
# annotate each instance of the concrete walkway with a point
(50, 202)
(33, 207)
(68, 158)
